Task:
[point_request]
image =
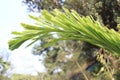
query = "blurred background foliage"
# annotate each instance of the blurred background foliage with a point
(4, 64)
(76, 60)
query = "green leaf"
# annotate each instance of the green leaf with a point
(30, 27)
(68, 25)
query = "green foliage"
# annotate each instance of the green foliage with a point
(106, 12)
(68, 25)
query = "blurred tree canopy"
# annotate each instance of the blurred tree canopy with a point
(76, 60)
(3, 68)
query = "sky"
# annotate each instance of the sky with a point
(11, 15)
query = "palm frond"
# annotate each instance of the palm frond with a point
(68, 25)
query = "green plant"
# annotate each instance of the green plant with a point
(68, 25)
